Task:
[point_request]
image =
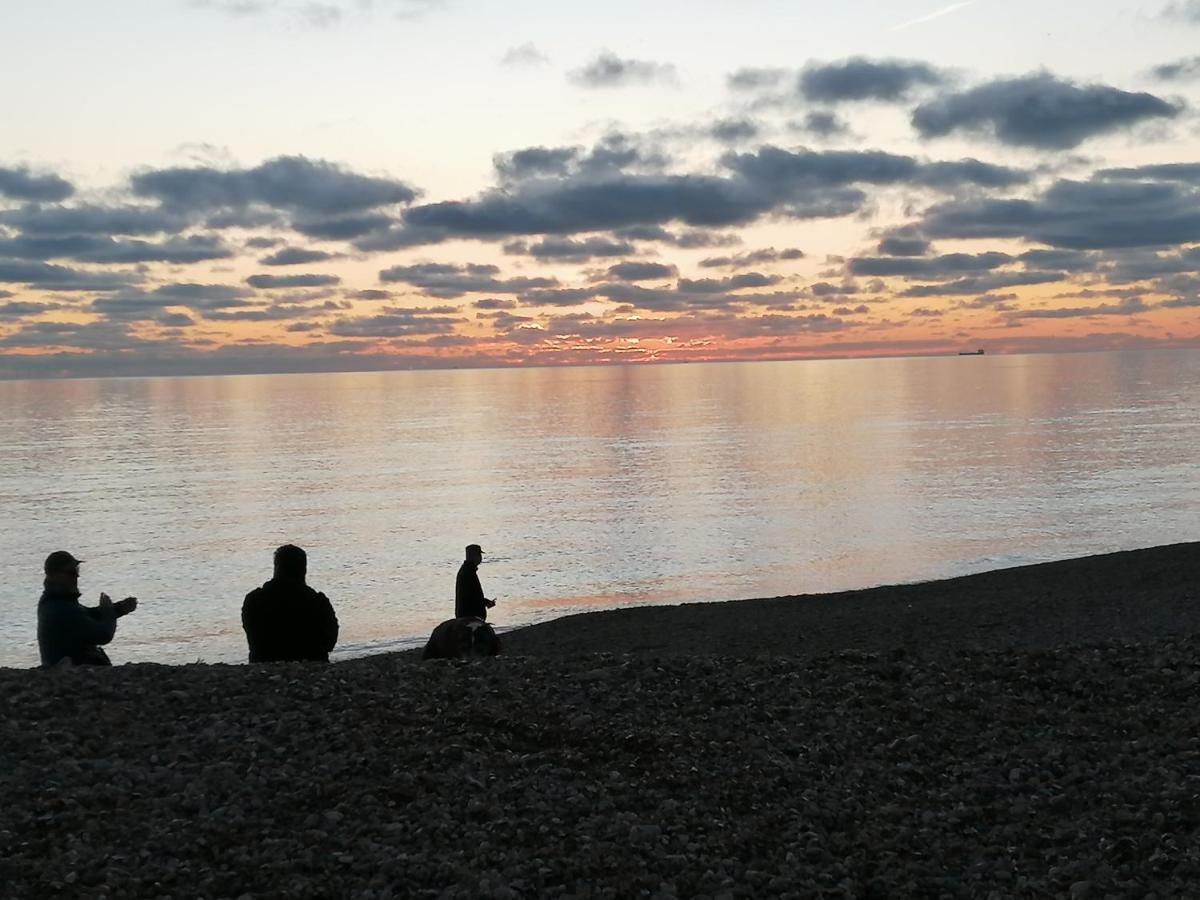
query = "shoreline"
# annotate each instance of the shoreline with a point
(1125, 595)
(700, 751)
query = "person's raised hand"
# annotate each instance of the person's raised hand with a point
(105, 601)
(126, 606)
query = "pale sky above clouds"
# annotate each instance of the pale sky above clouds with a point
(354, 183)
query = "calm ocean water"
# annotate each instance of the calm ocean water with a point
(587, 487)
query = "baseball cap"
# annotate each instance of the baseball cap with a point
(474, 548)
(61, 561)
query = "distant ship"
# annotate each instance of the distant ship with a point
(978, 352)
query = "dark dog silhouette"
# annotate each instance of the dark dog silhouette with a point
(462, 638)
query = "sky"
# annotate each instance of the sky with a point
(208, 186)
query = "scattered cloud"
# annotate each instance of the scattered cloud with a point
(293, 183)
(296, 256)
(751, 258)
(526, 54)
(21, 184)
(1183, 10)
(1186, 69)
(568, 250)
(642, 271)
(858, 78)
(1082, 215)
(1039, 111)
(292, 281)
(756, 79)
(609, 71)
(447, 280)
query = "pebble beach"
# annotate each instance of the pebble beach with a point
(1030, 732)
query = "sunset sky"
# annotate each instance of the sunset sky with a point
(280, 185)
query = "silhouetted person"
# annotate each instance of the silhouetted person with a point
(468, 592)
(68, 630)
(285, 619)
(462, 639)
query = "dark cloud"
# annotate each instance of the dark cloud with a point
(293, 183)
(568, 250)
(751, 258)
(815, 184)
(733, 131)
(904, 242)
(370, 294)
(1039, 111)
(263, 243)
(721, 285)
(92, 249)
(1081, 215)
(396, 322)
(174, 319)
(609, 70)
(575, 205)
(1073, 260)
(490, 303)
(756, 79)
(641, 271)
(685, 240)
(863, 79)
(615, 152)
(1132, 306)
(951, 265)
(1187, 173)
(449, 281)
(296, 256)
(535, 162)
(21, 184)
(94, 336)
(140, 305)
(86, 219)
(824, 290)
(1186, 69)
(292, 281)
(204, 296)
(800, 184)
(952, 173)
(981, 284)
(821, 124)
(343, 228)
(50, 277)
(19, 309)
(276, 312)
(559, 296)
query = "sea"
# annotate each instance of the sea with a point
(588, 488)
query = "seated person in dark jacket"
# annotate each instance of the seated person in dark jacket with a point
(468, 592)
(285, 619)
(68, 630)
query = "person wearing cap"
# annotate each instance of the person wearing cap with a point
(285, 619)
(468, 592)
(66, 629)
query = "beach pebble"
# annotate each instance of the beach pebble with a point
(1061, 772)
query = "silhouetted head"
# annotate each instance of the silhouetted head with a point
(291, 563)
(62, 570)
(474, 554)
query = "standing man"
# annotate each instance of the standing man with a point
(468, 592)
(68, 630)
(285, 619)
